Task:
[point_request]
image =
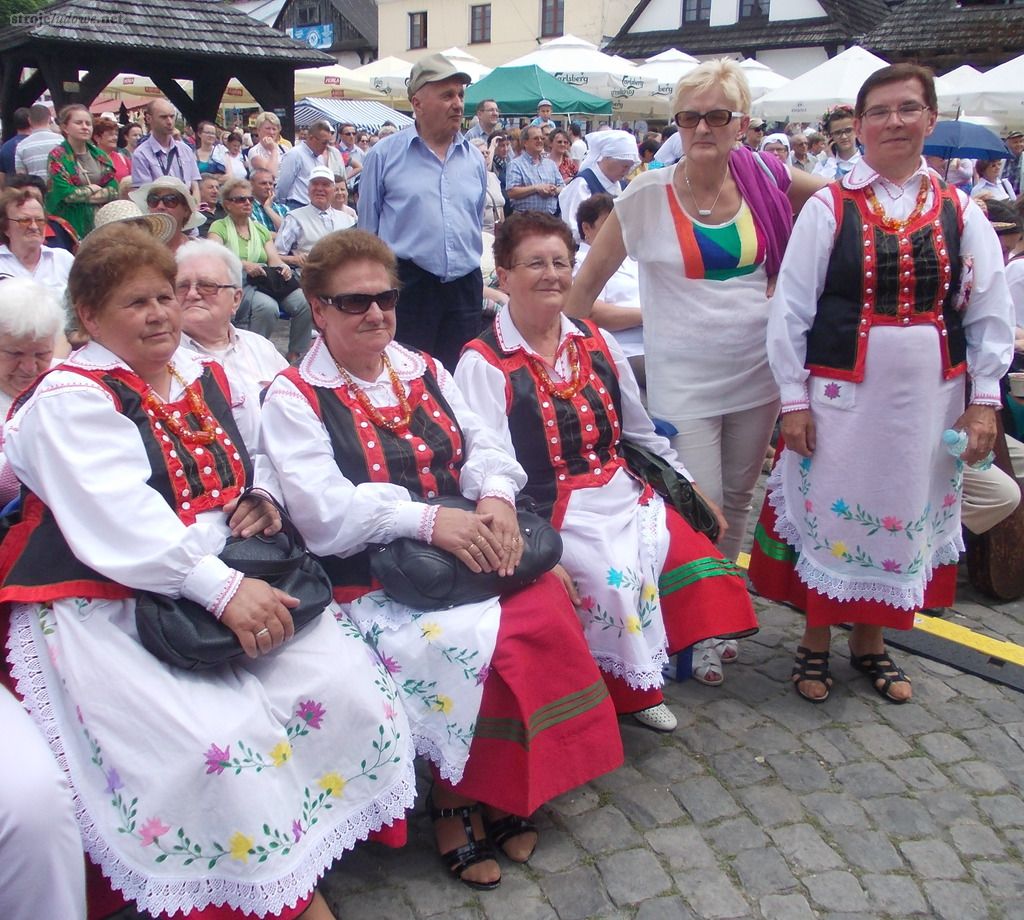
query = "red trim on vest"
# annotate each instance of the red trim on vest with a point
(905, 316)
(346, 594)
(14, 545)
(292, 374)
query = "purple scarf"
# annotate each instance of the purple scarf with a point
(765, 195)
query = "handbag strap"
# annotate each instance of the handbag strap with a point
(287, 527)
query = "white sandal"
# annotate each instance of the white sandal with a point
(659, 718)
(707, 663)
(728, 650)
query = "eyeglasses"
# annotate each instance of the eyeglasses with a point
(28, 221)
(907, 112)
(204, 288)
(562, 266)
(360, 303)
(841, 132)
(716, 118)
(168, 201)
(241, 199)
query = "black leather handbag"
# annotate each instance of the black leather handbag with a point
(426, 577)
(676, 489)
(183, 633)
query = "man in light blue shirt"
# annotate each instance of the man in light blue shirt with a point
(532, 181)
(422, 191)
(299, 162)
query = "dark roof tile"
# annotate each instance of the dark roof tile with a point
(922, 26)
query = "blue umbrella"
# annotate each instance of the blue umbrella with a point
(952, 139)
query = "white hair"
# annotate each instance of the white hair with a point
(28, 310)
(195, 249)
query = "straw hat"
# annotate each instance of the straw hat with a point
(161, 225)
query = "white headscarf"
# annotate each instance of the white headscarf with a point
(615, 145)
(775, 139)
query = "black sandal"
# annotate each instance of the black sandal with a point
(881, 668)
(469, 854)
(810, 665)
(504, 829)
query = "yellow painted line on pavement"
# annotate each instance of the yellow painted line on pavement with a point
(943, 629)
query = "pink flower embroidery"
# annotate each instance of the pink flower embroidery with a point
(892, 524)
(152, 829)
(389, 712)
(891, 565)
(949, 501)
(587, 603)
(217, 759)
(296, 831)
(311, 712)
(393, 667)
(482, 674)
(808, 506)
(832, 390)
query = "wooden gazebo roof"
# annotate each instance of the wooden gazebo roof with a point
(844, 22)
(945, 33)
(206, 42)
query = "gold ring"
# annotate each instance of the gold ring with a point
(516, 540)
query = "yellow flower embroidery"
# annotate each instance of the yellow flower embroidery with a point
(839, 549)
(240, 846)
(430, 631)
(633, 623)
(281, 753)
(443, 703)
(333, 783)
(650, 593)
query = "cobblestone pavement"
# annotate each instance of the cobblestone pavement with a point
(761, 805)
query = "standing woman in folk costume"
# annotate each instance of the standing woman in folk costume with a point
(891, 312)
(215, 793)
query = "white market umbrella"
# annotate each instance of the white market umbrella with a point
(467, 63)
(388, 75)
(579, 63)
(954, 86)
(761, 77)
(334, 82)
(997, 93)
(834, 82)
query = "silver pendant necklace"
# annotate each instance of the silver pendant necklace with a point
(704, 212)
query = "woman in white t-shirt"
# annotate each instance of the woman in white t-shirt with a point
(708, 234)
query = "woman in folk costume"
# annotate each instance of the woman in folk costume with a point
(561, 395)
(503, 696)
(216, 793)
(891, 298)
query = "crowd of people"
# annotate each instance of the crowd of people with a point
(684, 293)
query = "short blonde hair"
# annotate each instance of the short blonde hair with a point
(228, 188)
(266, 118)
(723, 73)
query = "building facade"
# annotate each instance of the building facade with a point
(789, 36)
(495, 32)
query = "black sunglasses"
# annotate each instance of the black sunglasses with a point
(168, 201)
(241, 199)
(360, 303)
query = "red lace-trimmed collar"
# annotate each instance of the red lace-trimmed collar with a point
(863, 174)
(319, 370)
(511, 339)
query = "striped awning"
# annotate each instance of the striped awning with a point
(365, 114)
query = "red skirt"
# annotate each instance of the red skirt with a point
(773, 575)
(546, 723)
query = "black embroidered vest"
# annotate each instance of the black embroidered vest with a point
(562, 444)
(425, 459)
(878, 276)
(36, 563)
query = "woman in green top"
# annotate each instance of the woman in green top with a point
(81, 175)
(253, 244)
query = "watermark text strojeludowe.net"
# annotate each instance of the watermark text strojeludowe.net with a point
(59, 19)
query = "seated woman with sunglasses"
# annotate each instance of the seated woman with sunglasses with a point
(502, 695)
(708, 234)
(251, 242)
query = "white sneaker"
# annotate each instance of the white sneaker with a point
(659, 718)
